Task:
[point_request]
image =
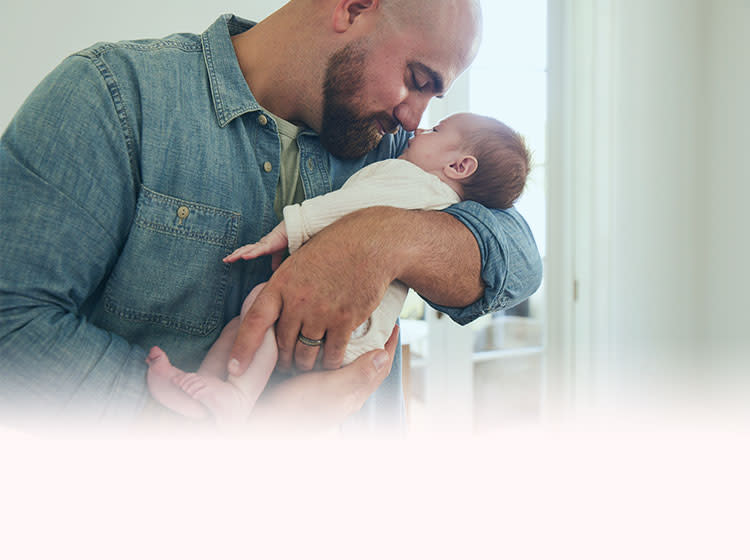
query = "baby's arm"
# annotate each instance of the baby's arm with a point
(275, 243)
(387, 183)
(391, 182)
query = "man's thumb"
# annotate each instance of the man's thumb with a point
(380, 361)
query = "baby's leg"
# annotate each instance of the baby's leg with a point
(215, 362)
(231, 402)
(160, 378)
(162, 375)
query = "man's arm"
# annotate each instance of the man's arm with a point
(431, 252)
(511, 267)
(66, 184)
(463, 262)
(441, 262)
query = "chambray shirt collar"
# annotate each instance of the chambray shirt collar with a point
(231, 95)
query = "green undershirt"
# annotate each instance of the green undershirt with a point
(290, 189)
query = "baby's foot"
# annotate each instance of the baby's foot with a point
(160, 382)
(225, 401)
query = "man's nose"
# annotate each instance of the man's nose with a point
(409, 112)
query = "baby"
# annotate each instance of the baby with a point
(464, 157)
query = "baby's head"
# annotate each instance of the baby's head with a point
(481, 158)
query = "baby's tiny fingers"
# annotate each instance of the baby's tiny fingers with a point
(246, 252)
(233, 256)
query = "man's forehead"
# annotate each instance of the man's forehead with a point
(447, 47)
(441, 64)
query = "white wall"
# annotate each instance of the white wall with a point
(649, 122)
(655, 282)
(35, 35)
(725, 188)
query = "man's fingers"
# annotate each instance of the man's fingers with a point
(306, 354)
(374, 366)
(276, 259)
(314, 401)
(391, 345)
(306, 349)
(336, 341)
(287, 329)
(258, 319)
(370, 370)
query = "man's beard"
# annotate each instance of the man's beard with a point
(344, 132)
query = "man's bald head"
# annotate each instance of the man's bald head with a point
(453, 19)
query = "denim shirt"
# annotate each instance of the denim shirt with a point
(125, 177)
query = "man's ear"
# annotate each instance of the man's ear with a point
(347, 12)
(463, 167)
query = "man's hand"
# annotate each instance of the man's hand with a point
(316, 401)
(337, 279)
(325, 290)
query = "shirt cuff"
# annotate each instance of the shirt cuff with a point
(511, 266)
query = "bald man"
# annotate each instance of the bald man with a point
(134, 167)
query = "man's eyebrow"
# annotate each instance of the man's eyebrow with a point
(434, 76)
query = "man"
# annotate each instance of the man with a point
(134, 167)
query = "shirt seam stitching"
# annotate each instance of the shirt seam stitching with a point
(116, 96)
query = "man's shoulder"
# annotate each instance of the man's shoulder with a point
(145, 68)
(141, 48)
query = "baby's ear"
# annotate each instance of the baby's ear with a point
(463, 167)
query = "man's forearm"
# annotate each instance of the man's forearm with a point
(431, 252)
(56, 365)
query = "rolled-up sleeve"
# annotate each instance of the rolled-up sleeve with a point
(67, 193)
(511, 264)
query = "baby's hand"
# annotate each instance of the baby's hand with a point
(247, 252)
(275, 243)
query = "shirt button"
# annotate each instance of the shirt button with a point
(310, 163)
(267, 167)
(182, 212)
(262, 120)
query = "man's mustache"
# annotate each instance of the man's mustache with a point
(389, 124)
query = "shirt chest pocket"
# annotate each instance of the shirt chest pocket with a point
(170, 271)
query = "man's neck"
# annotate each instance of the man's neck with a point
(276, 58)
